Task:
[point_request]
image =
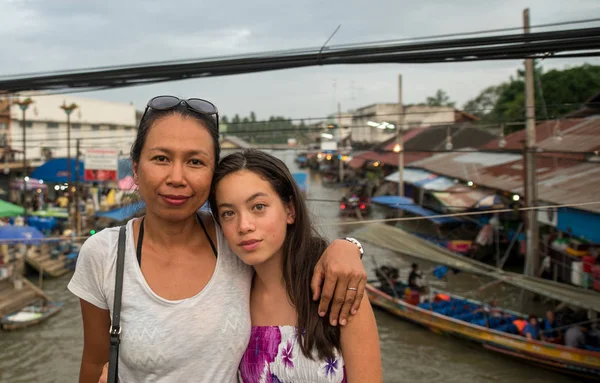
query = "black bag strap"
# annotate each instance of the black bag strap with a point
(115, 328)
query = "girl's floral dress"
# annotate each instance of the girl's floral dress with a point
(274, 355)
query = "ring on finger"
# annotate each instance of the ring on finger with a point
(353, 288)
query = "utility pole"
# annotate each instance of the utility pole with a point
(77, 209)
(68, 110)
(532, 235)
(339, 141)
(24, 104)
(399, 147)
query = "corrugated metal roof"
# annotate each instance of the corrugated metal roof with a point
(236, 141)
(560, 181)
(386, 158)
(460, 197)
(569, 135)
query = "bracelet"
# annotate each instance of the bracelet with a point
(355, 241)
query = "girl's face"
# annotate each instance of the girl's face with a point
(175, 168)
(253, 217)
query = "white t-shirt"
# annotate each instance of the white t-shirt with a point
(198, 339)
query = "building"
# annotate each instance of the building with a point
(96, 123)
(4, 116)
(362, 127)
(422, 142)
(231, 144)
(377, 122)
(566, 167)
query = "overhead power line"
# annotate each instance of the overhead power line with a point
(551, 44)
(489, 123)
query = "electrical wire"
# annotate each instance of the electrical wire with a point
(463, 214)
(306, 50)
(295, 129)
(366, 222)
(524, 45)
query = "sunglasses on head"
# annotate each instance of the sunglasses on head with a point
(197, 105)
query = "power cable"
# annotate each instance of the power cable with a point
(299, 129)
(346, 223)
(475, 48)
(463, 214)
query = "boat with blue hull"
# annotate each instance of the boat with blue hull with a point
(450, 314)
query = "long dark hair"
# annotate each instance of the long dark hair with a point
(301, 249)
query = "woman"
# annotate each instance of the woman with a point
(267, 225)
(185, 311)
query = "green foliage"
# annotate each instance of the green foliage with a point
(276, 130)
(557, 92)
(440, 98)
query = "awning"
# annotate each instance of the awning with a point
(301, 180)
(125, 168)
(32, 184)
(411, 176)
(126, 183)
(398, 240)
(462, 198)
(123, 213)
(407, 204)
(423, 179)
(55, 171)
(8, 209)
(20, 234)
(52, 212)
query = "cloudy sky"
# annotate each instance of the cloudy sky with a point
(44, 35)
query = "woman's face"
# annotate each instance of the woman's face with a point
(176, 166)
(253, 217)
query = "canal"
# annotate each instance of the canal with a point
(51, 352)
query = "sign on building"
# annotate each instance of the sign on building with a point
(101, 164)
(329, 145)
(548, 216)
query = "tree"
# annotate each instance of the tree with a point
(252, 117)
(441, 98)
(485, 102)
(224, 119)
(557, 92)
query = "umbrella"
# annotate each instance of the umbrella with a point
(126, 183)
(32, 184)
(122, 213)
(20, 234)
(8, 209)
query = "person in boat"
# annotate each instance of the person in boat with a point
(414, 278)
(267, 225)
(528, 328)
(531, 330)
(491, 309)
(185, 303)
(575, 336)
(548, 328)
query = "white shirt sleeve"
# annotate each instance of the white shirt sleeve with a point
(88, 280)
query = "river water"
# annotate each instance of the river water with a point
(51, 352)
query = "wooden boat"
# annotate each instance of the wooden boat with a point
(53, 259)
(29, 316)
(580, 363)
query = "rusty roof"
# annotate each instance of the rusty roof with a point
(559, 136)
(560, 181)
(387, 158)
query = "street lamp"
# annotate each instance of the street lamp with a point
(68, 110)
(24, 104)
(502, 140)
